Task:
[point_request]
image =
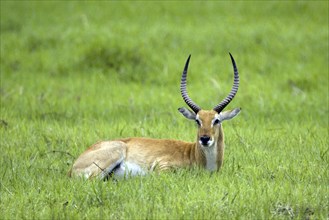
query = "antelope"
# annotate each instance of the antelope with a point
(139, 156)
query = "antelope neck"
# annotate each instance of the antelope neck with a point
(210, 154)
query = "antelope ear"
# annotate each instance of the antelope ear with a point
(187, 113)
(227, 115)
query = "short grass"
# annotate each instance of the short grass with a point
(73, 73)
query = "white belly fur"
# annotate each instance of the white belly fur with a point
(129, 169)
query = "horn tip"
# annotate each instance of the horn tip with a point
(187, 62)
(232, 59)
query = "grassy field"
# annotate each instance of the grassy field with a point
(74, 73)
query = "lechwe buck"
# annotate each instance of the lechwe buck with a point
(138, 156)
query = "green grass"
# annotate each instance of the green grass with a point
(78, 72)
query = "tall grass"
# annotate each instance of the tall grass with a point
(73, 73)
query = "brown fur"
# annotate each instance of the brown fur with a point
(150, 153)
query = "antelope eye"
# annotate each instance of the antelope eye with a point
(216, 122)
(197, 122)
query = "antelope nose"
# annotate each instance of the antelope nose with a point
(204, 139)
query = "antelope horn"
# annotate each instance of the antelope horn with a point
(183, 90)
(218, 108)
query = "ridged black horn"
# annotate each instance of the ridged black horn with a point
(183, 90)
(218, 108)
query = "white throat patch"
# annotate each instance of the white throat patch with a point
(211, 157)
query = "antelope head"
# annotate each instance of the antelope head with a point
(210, 133)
